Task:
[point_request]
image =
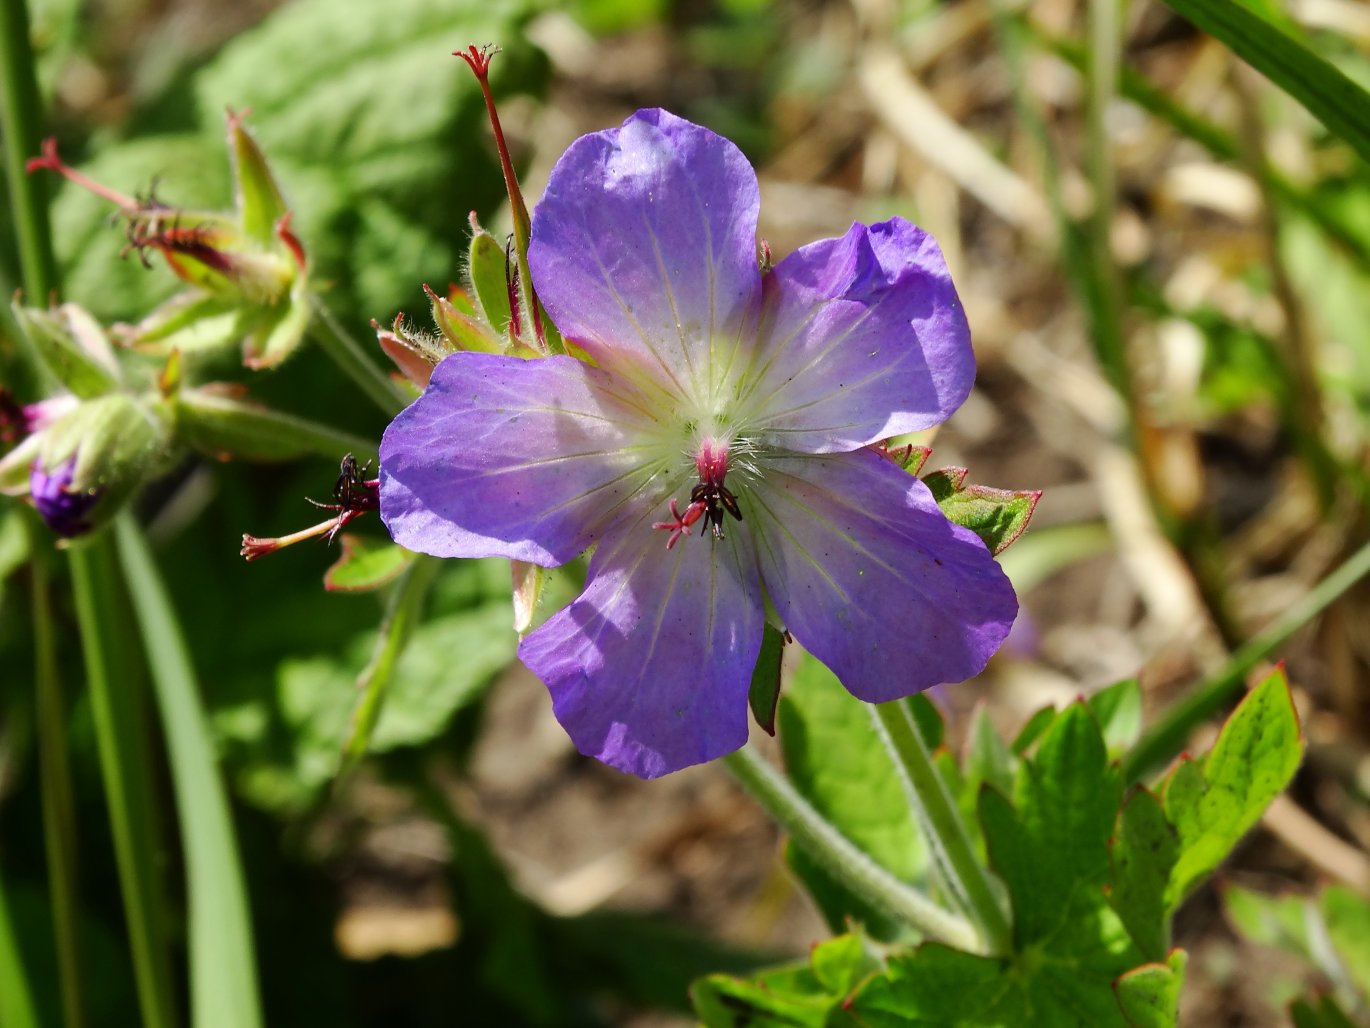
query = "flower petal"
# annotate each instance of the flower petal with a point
(502, 457)
(867, 573)
(649, 668)
(644, 249)
(863, 337)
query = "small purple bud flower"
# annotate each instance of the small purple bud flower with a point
(716, 396)
(65, 511)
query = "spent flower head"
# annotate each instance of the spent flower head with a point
(716, 397)
(246, 268)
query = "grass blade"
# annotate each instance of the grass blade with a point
(223, 968)
(115, 688)
(1335, 100)
(16, 998)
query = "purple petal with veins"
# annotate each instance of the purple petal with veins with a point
(713, 449)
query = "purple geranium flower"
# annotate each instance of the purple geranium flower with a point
(752, 400)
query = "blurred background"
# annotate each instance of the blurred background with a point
(1164, 261)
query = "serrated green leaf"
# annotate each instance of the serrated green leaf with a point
(1143, 856)
(1051, 845)
(1119, 710)
(365, 565)
(1347, 915)
(840, 963)
(1255, 757)
(1150, 995)
(791, 997)
(1329, 95)
(938, 985)
(764, 692)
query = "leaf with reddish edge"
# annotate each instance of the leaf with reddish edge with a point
(365, 565)
(1150, 995)
(998, 516)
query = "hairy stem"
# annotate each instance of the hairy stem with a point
(841, 858)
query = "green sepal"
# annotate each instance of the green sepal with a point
(998, 516)
(486, 266)
(461, 327)
(220, 425)
(1150, 995)
(764, 693)
(258, 198)
(73, 346)
(280, 331)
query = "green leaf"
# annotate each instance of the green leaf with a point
(1331, 97)
(764, 693)
(366, 565)
(1150, 994)
(840, 963)
(1119, 710)
(1348, 924)
(938, 985)
(792, 997)
(1279, 921)
(987, 757)
(1032, 730)
(16, 995)
(1143, 856)
(1255, 757)
(998, 516)
(223, 972)
(1319, 1012)
(835, 759)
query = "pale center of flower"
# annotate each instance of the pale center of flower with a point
(708, 499)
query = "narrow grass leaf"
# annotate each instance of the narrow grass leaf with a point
(223, 968)
(1331, 97)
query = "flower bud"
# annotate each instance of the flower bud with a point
(79, 470)
(73, 346)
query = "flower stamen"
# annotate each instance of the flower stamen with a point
(708, 499)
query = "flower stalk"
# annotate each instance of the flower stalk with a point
(842, 859)
(948, 840)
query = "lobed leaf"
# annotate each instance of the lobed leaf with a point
(1212, 806)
